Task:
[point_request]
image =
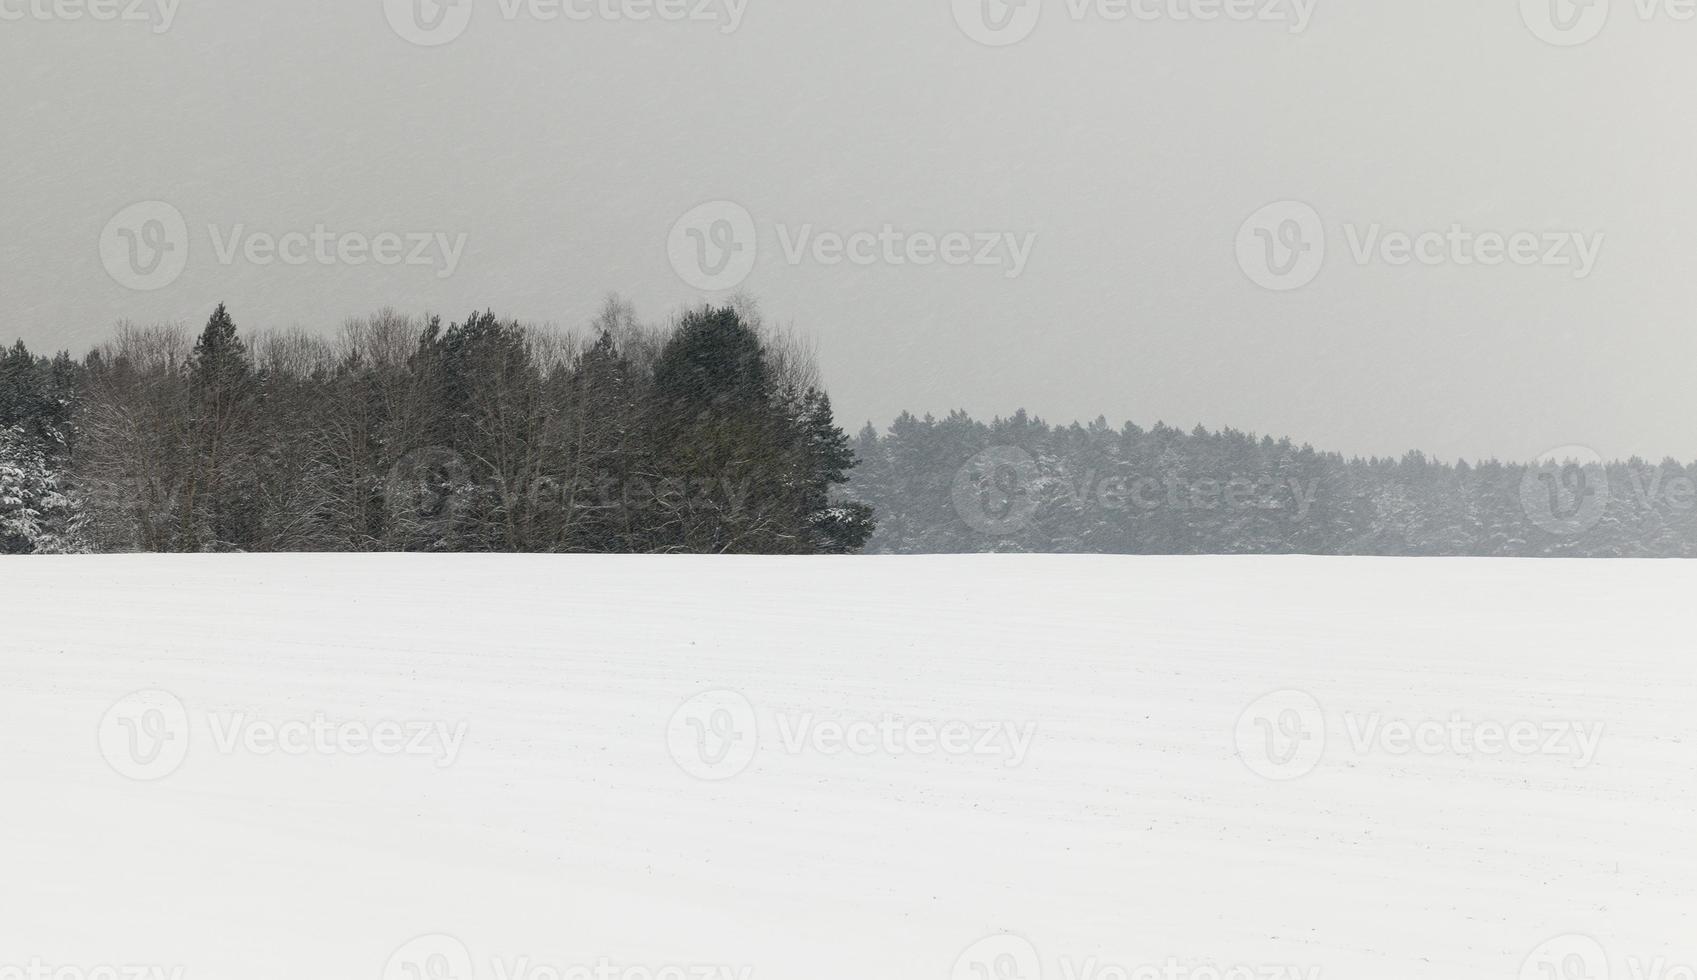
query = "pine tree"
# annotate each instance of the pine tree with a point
(37, 515)
(714, 366)
(838, 527)
(219, 508)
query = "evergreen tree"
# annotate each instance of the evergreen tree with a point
(841, 527)
(38, 516)
(219, 506)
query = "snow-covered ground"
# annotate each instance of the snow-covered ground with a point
(513, 768)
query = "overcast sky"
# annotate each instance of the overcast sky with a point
(1066, 197)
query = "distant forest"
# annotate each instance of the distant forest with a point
(1020, 485)
(710, 434)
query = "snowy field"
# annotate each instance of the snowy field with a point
(423, 768)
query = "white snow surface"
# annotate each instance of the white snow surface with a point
(566, 833)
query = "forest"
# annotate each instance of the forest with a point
(711, 433)
(708, 435)
(1018, 484)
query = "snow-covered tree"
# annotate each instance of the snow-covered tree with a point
(37, 515)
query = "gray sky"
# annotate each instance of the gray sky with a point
(1126, 155)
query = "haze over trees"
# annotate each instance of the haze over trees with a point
(1018, 484)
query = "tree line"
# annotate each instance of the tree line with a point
(710, 434)
(1018, 484)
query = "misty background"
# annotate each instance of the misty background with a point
(566, 151)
